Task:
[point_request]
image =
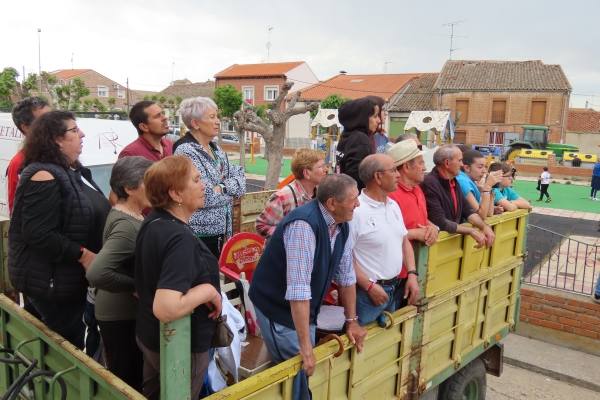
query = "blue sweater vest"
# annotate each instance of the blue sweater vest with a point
(269, 284)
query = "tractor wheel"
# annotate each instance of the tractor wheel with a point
(513, 153)
(467, 384)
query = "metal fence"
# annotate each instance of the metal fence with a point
(561, 262)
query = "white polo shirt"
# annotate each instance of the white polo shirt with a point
(377, 230)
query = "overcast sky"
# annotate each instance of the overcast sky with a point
(151, 41)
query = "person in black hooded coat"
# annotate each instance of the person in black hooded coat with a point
(360, 119)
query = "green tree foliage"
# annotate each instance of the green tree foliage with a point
(69, 96)
(111, 102)
(228, 99)
(8, 83)
(333, 101)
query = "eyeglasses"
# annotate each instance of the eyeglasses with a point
(75, 129)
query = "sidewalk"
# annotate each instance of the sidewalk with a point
(557, 212)
(556, 362)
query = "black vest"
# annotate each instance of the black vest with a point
(269, 283)
(35, 274)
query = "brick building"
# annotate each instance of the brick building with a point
(260, 83)
(490, 98)
(100, 86)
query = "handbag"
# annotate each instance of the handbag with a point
(539, 185)
(223, 335)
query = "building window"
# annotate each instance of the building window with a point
(498, 111)
(271, 93)
(248, 92)
(538, 112)
(460, 137)
(462, 112)
(102, 91)
(120, 93)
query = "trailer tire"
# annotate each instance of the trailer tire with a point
(467, 384)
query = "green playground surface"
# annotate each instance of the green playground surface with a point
(564, 197)
(259, 166)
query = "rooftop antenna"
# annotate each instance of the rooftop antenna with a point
(385, 64)
(269, 29)
(452, 36)
(172, 72)
(72, 56)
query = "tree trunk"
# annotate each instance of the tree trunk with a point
(242, 136)
(274, 157)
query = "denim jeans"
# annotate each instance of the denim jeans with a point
(368, 312)
(282, 343)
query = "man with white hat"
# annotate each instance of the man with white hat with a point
(409, 162)
(380, 244)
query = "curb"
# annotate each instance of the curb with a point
(552, 374)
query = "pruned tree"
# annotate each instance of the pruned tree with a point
(273, 129)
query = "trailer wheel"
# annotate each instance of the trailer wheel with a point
(467, 384)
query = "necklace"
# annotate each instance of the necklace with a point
(133, 214)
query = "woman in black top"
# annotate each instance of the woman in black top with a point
(175, 273)
(56, 227)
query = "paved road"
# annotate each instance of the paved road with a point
(520, 384)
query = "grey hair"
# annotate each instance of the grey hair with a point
(445, 152)
(128, 173)
(195, 108)
(336, 186)
(405, 136)
(369, 166)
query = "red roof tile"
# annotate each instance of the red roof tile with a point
(583, 120)
(355, 86)
(258, 70)
(68, 73)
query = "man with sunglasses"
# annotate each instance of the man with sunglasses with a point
(381, 244)
(23, 114)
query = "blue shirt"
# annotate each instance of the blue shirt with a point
(506, 193)
(467, 185)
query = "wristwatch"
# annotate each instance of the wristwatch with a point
(414, 272)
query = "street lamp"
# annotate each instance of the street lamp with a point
(39, 31)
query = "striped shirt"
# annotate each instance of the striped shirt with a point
(300, 245)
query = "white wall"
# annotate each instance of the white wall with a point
(302, 76)
(298, 126)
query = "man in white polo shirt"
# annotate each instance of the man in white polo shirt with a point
(380, 244)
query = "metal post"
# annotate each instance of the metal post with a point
(39, 31)
(175, 360)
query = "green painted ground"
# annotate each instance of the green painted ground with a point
(565, 197)
(259, 167)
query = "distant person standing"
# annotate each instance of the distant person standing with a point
(595, 181)
(545, 179)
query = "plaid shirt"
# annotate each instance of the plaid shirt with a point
(300, 244)
(279, 205)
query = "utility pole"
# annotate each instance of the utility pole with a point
(172, 72)
(72, 56)
(39, 31)
(127, 98)
(452, 36)
(385, 64)
(269, 29)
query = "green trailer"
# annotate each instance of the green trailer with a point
(439, 349)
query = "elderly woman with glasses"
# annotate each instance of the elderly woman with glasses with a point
(223, 180)
(111, 273)
(56, 226)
